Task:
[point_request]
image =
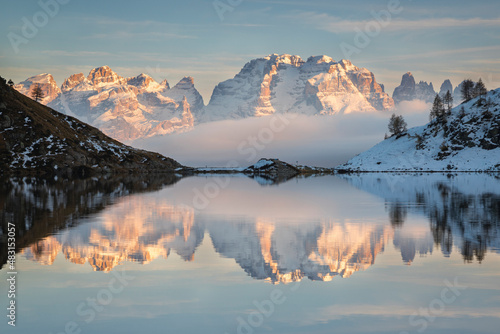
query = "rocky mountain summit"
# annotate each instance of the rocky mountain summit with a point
(123, 108)
(408, 90)
(466, 139)
(35, 139)
(288, 84)
(129, 108)
(46, 83)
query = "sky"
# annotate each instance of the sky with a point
(212, 40)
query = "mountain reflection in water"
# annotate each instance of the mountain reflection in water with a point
(104, 223)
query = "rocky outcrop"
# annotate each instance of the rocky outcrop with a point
(46, 83)
(446, 87)
(35, 139)
(272, 171)
(408, 90)
(287, 84)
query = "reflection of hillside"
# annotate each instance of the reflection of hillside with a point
(463, 210)
(40, 208)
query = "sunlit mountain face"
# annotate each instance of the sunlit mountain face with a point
(106, 224)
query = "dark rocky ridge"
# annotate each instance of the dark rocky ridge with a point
(37, 140)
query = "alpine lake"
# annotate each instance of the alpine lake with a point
(350, 253)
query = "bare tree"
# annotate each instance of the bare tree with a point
(397, 125)
(37, 93)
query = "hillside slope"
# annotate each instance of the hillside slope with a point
(466, 140)
(36, 139)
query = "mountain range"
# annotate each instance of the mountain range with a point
(409, 90)
(139, 107)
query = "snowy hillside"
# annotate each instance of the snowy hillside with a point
(466, 140)
(288, 84)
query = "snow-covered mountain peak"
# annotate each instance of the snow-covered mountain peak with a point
(104, 75)
(285, 59)
(287, 84)
(165, 83)
(46, 83)
(319, 59)
(43, 78)
(144, 82)
(77, 82)
(185, 83)
(123, 108)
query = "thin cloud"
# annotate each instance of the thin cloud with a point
(251, 25)
(335, 312)
(336, 24)
(139, 35)
(432, 54)
(63, 53)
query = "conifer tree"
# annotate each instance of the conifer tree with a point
(467, 90)
(397, 125)
(479, 89)
(448, 101)
(37, 93)
(437, 109)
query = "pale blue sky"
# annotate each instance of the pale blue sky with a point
(170, 39)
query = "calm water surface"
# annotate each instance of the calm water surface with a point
(372, 253)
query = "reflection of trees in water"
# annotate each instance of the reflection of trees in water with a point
(397, 213)
(463, 209)
(473, 218)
